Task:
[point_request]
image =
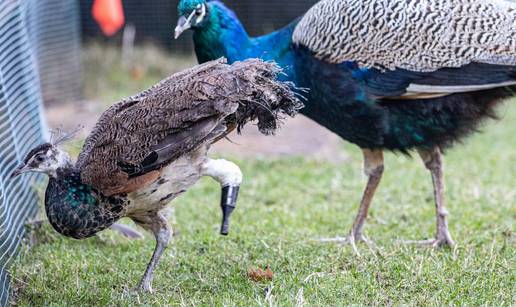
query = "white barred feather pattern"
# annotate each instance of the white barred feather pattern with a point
(417, 35)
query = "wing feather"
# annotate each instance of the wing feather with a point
(140, 134)
(416, 35)
(414, 49)
(136, 137)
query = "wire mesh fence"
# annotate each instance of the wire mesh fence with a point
(20, 129)
(53, 29)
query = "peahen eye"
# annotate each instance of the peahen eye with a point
(39, 158)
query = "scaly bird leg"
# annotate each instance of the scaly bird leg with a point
(434, 163)
(229, 176)
(373, 168)
(157, 224)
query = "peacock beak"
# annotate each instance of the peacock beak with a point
(183, 24)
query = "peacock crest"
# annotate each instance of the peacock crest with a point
(185, 7)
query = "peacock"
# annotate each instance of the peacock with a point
(386, 75)
(150, 148)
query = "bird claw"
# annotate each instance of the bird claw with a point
(144, 287)
(338, 240)
(434, 243)
(127, 231)
(351, 240)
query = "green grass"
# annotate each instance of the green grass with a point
(284, 205)
(107, 78)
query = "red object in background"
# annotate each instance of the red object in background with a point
(109, 14)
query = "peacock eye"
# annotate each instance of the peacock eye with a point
(198, 10)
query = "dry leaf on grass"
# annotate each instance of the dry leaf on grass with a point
(259, 274)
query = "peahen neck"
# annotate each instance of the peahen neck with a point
(223, 35)
(76, 210)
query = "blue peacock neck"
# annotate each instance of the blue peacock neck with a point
(75, 209)
(223, 35)
(220, 35)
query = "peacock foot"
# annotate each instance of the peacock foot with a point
(145, 287)
(344, 240)
(435, 243)
(351, 240)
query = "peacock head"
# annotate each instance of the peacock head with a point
(192, 14)
(46, 158)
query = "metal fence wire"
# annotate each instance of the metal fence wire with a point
(21, 128)
(53, 27)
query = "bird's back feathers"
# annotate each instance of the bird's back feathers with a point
(415, 49)
(416, 35)
(144, 132)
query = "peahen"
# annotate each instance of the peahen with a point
(386, 75)
(152, 147)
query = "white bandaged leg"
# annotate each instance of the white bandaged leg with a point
(225, 172)
(229, 176)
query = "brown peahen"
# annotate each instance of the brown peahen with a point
(152, 147)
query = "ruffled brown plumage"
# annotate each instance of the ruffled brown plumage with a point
(144, 132)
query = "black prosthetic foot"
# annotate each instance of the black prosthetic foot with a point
(227, 203)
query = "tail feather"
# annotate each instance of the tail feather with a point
(262, 97)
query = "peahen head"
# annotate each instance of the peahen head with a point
(45, 158)
(192, 14)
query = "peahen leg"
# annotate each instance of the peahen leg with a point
(157, 224)
(229, 176)
(434, 163)
(373, 168)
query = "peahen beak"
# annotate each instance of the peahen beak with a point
(18, 171)
(227, 203)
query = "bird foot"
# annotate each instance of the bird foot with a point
(338, 240)
(144, 287)
(127, 231)
(435, 243)
(351, 240)
(345, 240)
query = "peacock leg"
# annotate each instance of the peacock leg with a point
(434, 163)
(157, 224)
(373, 168)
